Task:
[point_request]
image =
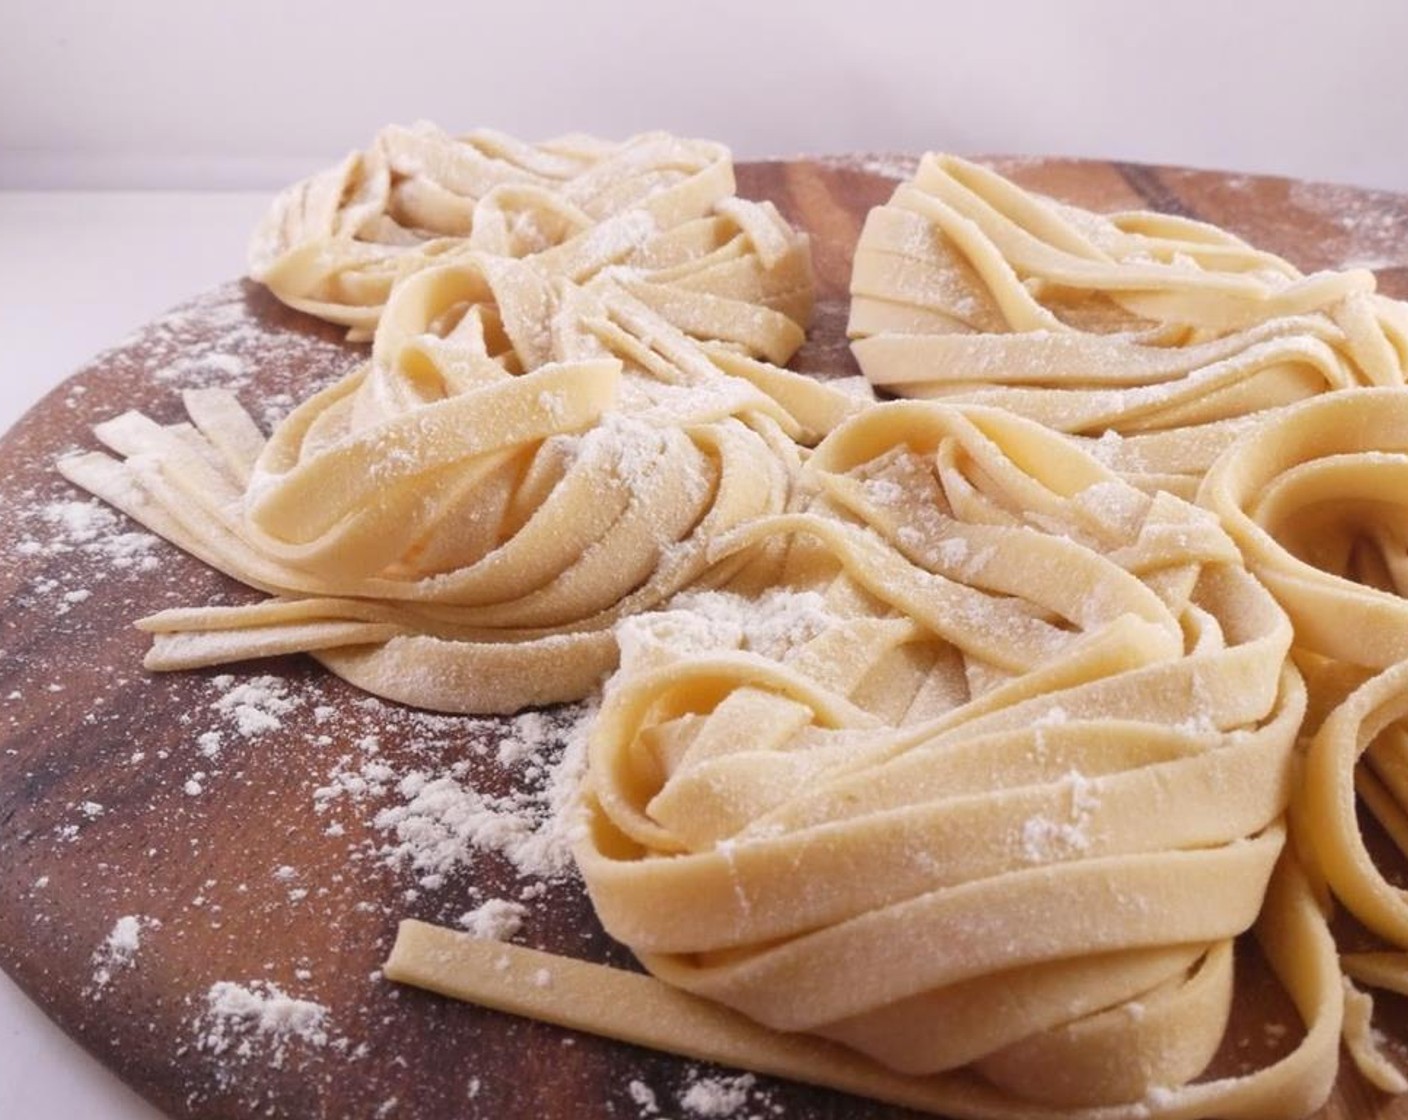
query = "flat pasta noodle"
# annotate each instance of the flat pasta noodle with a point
(1197, 364)
(1313, 499)
(656, 210)
(926, 673)
(590, 997)
(1164, 335)
(459, 521)
(1021, 688)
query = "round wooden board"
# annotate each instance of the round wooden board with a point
(229, 820)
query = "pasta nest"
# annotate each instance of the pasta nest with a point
(993, 805)
(1314, 499)
(657, 207)
(1163, 335)
(459, 521)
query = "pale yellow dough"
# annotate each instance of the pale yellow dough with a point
(1316, 500)
(1163, 335)
(1048, 733)
(945, 756)
(657, 210)
(1048, 737)
(540, 443)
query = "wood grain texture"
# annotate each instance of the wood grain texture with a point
(123, 793)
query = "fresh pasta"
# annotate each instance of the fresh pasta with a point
(1033, 720)
(947, 746)
(1162, 336)
(1313, 500)
(657, 210)
(530, 454)
(763, 826)
(1043, 694)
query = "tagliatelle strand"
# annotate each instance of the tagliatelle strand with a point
(765, 869)
(1163, 335)
(545, 439)
(656, 210)
(594, 998)
(1312, 500)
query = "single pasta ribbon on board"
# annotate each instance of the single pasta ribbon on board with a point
(656, 209)
(1161, 334)
(647, 1012)
(1315, 500)
(1000, 704)
(459, 521)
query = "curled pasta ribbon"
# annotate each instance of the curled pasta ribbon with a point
(1313, 498)
(1038, 723)
(459, 522)
(656, 208)
(1362, 748)
(1159, 333)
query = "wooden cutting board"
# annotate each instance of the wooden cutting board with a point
(222, 812)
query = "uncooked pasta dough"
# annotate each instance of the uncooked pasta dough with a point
(1314, 499)
(1163, 335)
(1044, 697)
(946, 756)
(1036, 721)
(535, 449)
(657, 210)
(1197, 364)
(964, 753)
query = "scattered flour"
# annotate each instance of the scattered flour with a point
(1044, 839)
(443, 821)
(88, 531)
(245, 1019)
(214, 341)
(442, 817)
(254, 706)
(886, 165)
(497, 919)
(776, 624)
(884, 491)
(118, 950)
(644, 1097)
(717, 1096)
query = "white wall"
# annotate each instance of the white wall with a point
(184, 93)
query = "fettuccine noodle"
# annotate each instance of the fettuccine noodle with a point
(524, 460)
(1313, 499)
(1004, 734)
(949, 746)
(1164, 336)
(657, 210)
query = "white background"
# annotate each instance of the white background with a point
(139, 141)
(178, 93)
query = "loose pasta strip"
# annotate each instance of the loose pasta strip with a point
(1161, 334)
(657, 210)
(459, 521)
(646, 1012)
